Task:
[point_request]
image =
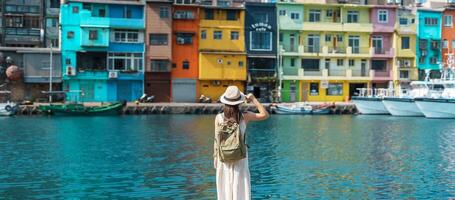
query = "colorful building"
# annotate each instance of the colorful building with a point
(448, 33)
(102, 50)
(327, 50)
(405, 68)
(185, 56)
(429, 41)
(222, 57)
(261, 40)
(158, 50)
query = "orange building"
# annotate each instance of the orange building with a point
(448, 33)
(185, 56)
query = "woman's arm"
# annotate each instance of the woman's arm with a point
(262, 115)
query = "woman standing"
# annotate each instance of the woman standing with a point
(233, 178)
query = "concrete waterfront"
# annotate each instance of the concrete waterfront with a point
(186, 108)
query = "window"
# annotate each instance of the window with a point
(261, 41)
(184, 38)
(208, 14)
(340, 62)
(383, 16)
(54, 4)
(433, 60)
(339, 38)
(51, 22)
(282, 12)
(431, 21)
(448, 20)
(422, 60)
(335, 89)
(127, 12)
(75, 9)
(315, 16)
(445, 44)
(159, 65)
(379, 65)
(314, 89)
(453, 44)
(327, 63)
(158, 39)
(328, 38)
(261, 17)
(404, 21)
(125, 61)
(126, 36)
(87, 6)
(186, 64)
(310, 64)
(164, 12)
(351, 62)
(231, 15)
(353, 16)
(93, 35)
(70, 34)
(292, 62)
(102, 13)
(240, 63)
(234, 35)
(280, 37)
(217, 35)
(434, 44)
(405, 43)
(295, 16)
(203, 34)
(404, 74)
(329, 13)
(183, 14)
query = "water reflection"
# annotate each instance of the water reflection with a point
(170, 157)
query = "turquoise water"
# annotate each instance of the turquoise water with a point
(169, 157)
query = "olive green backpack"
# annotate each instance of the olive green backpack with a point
(231, 144)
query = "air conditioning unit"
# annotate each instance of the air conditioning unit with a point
(180, 41)
(407, 63)
(113, 74)
(70, 71)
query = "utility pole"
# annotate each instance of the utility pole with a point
(50, 74)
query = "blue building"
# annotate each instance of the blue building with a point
(428, 43)
(102, 50)
(261, 43)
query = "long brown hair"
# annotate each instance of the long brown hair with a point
(232, 113)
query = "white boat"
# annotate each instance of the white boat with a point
(8, 109)
(439, 107)
(404, 104)
(371, 104)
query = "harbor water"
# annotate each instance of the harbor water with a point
(170, 157)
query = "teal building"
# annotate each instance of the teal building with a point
(429, 55)
(102, 50)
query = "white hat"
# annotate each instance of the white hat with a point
(232, 96)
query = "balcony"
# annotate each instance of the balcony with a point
(357, 27)
(382, 75)
(127, 23)
(52, 12)
(300, 50)
(322, 26)
(86, 20)
(23, 35)
(22, 8)
(221, 23)
(382, 52)
(325, 74)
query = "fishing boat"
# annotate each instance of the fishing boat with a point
(8, 109)
(439, 107)
(404, 103)
(81, 109)
(303, 109)
(443, 105)
(369, 101)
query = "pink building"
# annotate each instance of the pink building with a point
(383, 19)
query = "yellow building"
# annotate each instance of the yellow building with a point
(222, 57)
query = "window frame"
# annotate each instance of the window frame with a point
(161, 43)
(220, 35)
(351, 14)
(164, 12)
(384, 13)
(235, 35)
(295, 16)
(403, 46)
(129, 58)
(270, 41)
(445, 17)
(313, 15)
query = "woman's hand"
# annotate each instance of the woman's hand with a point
(250, 98)
(215, 162)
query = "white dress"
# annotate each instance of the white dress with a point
(232, 179)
